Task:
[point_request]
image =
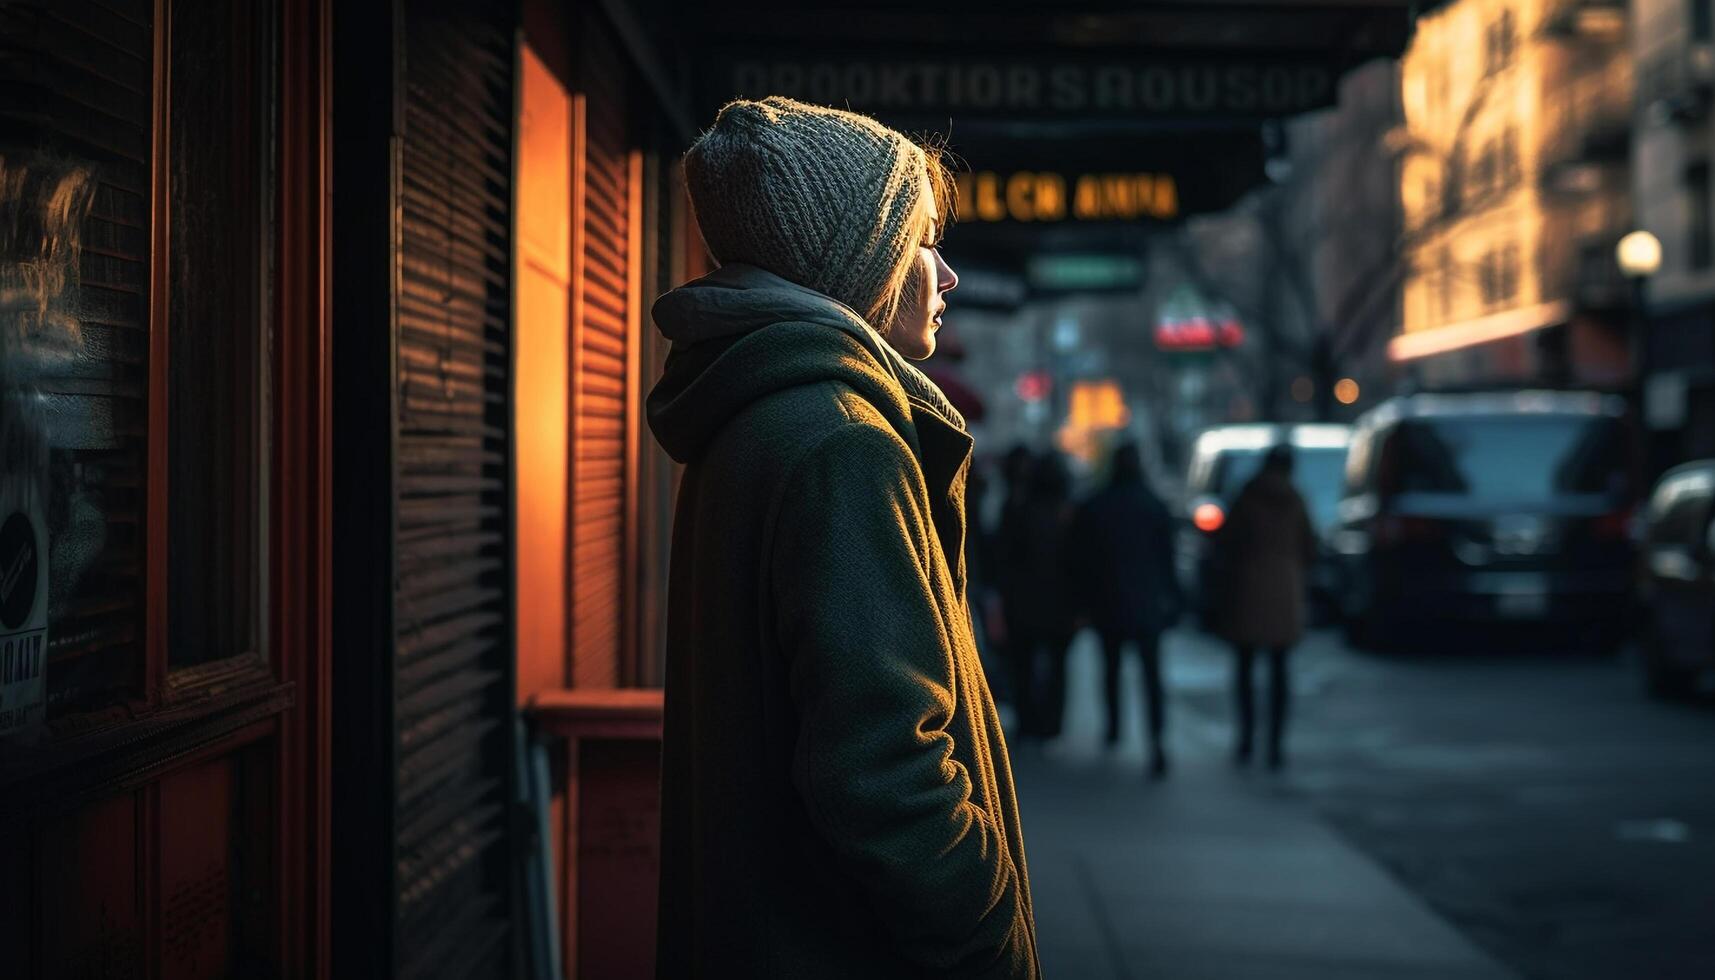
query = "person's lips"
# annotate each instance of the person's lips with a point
(936, 319)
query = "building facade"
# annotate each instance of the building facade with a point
(410, 274)
(1514, 188)
(1673, 43)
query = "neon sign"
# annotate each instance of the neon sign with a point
(1046, 196)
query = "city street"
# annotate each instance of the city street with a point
(1462, 814)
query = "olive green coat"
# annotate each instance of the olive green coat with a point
(836, 796)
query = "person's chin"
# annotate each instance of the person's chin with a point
(920, 350)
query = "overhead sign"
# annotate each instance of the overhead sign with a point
(1085, 273)
(1199, 333)
(1048, 196)
(1190, 323)
(1165, 86)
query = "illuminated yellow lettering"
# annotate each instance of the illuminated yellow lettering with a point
(961, 193)
(989, 206)
(1166, 197)
(1087, 199)
(1117, 201)
(1018, 196)
(1050, 197)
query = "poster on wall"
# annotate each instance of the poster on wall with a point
(23, 607)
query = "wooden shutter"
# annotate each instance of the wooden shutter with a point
(452, 683)
(604, 368)
(77, 82)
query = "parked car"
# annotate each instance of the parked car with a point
(1677, 580)
(1487, 508)
(1223, 459)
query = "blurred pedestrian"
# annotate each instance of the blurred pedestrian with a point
(1265, 549)
(980, 568)
(1039, 612)
(1008, 565)
(837, 800)
(1121, 559)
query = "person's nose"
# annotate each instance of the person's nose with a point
(945, 278)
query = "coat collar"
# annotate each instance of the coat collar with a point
(944, 452)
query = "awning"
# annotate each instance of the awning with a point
(1483, 330)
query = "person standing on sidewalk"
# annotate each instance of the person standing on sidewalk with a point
(1121, 559)
(1264, 550)
(1009, 572)
(1040, 614)
(837, 800)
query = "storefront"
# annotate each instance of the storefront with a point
(165, 357)
(249, 732)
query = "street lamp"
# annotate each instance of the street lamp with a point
(1639, 257)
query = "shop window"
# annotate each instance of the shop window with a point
(74, 352)
(82, 136)
(1498, 275)
(218, 294)
(1444, 283)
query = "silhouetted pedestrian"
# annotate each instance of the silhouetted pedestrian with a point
(1039, 613)
(980, 570)
(1008, 567)
(1265, 549)
(1121, 559)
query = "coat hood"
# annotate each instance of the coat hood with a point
(741, 334)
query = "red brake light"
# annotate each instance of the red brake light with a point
(1396, 530)
(1613, 527)
(1208, 518)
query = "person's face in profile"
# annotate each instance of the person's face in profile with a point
(912, 332)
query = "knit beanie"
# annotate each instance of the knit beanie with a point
(825, 198)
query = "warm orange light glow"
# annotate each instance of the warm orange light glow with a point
(1098, 405)
(1208, 518)
(1511, 323)
(541, 372)
(1094, 409)
(1497, 194)
(1346, 391)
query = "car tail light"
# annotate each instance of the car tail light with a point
(1613, 527)
(1396, 529)
(1208, 518)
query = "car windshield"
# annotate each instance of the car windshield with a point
(1318, 473)
(1513, 458)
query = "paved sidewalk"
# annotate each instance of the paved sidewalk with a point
(1214, 874)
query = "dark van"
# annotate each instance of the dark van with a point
(1677, 586)
(1487, 508)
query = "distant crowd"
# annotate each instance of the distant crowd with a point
(1049, 563)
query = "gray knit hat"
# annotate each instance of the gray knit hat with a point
(825, 198)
